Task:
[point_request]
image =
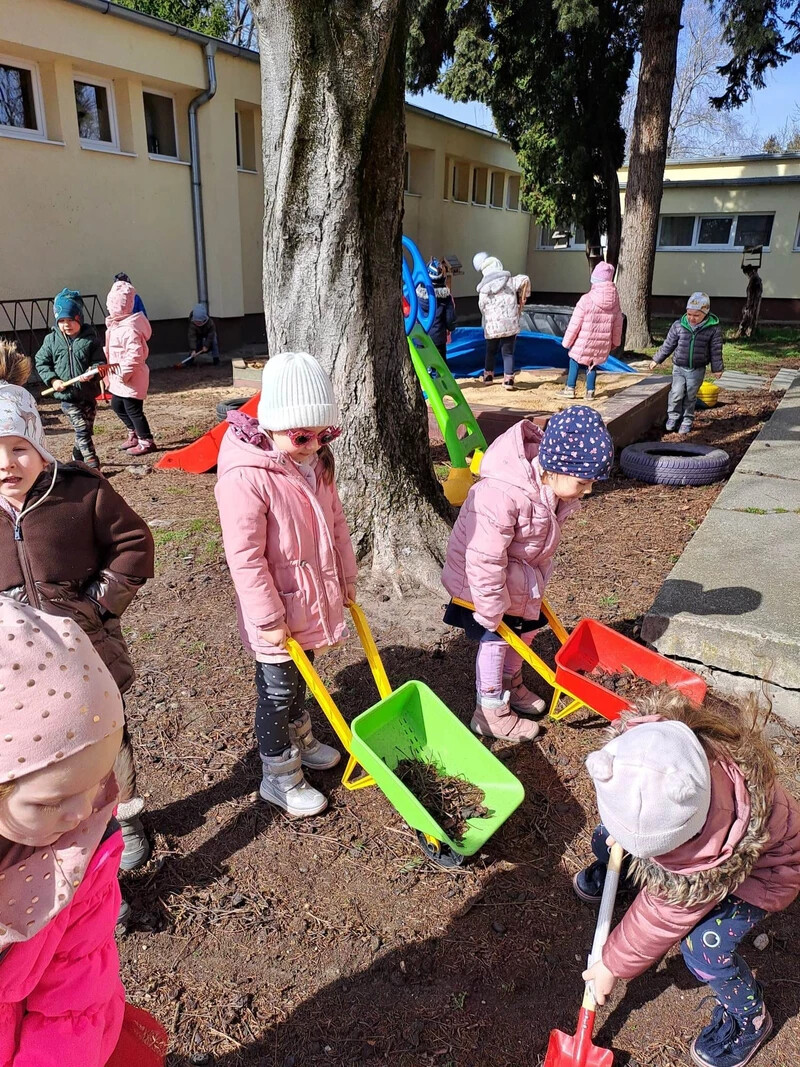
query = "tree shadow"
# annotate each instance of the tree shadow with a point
(679, 596)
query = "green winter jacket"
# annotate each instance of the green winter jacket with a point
(67, 357)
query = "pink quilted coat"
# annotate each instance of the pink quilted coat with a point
(126, 343)
(61, 999)
(287, 546)
(500, 553)
(657, 920)
(595, 328)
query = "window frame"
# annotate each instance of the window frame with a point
(796, 246)
(509, 182)
(573, 246)
(160, 155)
(21, 132)
(455, 164)
(99, 83)
(698, 217)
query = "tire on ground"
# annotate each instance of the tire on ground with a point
(224, 406)
(665, 463)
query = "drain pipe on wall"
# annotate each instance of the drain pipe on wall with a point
(200, 262)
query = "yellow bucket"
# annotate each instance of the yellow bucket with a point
(709, 394)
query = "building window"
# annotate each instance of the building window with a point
(497, 188)
(677, 231)
(480, 185)
(512, 192)
(459, 186)
(21, 111)
(159, 120)
(246, 140)
(577, 240)
(797, 236)
(714, 232)
(97, 124)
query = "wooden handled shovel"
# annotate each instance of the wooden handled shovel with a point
(577, 1050)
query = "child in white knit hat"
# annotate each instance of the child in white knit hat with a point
(293, 567)
(61, 999)
(714, 842)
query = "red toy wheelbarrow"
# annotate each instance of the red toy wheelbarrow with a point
(577, 1050)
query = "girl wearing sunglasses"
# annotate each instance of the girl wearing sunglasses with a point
(293, 567)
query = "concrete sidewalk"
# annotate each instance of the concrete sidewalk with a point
(730, 609)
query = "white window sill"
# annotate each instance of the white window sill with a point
(109, 149)
(496, 207)
(464, 202)
(474, 203)
(716, 249)
(27, 135)
(246, 170)
(167, 159)
(572, 248)
(417, 195)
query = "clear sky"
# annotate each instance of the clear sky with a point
(769, 108)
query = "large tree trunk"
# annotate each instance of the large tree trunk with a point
(333, 144)
(660, 29)
(614, 227)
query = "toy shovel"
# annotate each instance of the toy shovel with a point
(577, 1050)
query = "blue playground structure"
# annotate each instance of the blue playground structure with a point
(534, 351)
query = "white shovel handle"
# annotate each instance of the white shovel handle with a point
(606, 914)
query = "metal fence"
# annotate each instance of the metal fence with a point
(27, 321)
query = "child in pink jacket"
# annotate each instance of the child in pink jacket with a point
(714, 842)
(61, 1000)
(500, 554)
(290, 557)
(594, 330)
(127, 334)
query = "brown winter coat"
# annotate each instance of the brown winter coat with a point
(79, 551)
(748, 847)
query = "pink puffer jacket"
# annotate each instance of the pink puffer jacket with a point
(711, 865)
(61, 999)
(126, 343)
(287, 546)
(500, 553)
(595, 328)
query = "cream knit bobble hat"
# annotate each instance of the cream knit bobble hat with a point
(296, 393)
(653, 787)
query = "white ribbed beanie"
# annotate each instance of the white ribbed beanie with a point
(296, 393)
(479, 259)
(653, 787)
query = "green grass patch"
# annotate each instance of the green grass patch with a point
(169, 537)
(772, 348)
(610, 601)
(755, 511)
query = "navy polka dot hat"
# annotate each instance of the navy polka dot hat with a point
(577, 442)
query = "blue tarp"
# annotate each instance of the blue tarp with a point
(534, 351)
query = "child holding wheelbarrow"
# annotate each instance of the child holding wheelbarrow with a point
(714, 842)
(290, 557)
(500, 554)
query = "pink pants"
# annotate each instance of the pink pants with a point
(496, 659)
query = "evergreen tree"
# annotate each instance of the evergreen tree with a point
(206, 16)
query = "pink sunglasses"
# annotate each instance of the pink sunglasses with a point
(305, 437)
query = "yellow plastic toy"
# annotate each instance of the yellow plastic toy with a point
(542, 669)
(708, 393)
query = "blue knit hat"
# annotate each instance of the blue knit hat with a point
(68, 305)
(577, 442)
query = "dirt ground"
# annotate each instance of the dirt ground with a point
(259, 940)
(539, 390)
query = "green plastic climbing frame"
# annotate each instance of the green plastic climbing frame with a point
(462, 435)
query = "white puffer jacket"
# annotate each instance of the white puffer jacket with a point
(500, 299)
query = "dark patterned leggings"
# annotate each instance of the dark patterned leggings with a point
(709, 952)
(281, 693)
(81, 413)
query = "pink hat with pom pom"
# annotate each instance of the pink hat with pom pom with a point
(603, 272)
(653, 787)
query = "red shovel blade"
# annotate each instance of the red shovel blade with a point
(577, 1050)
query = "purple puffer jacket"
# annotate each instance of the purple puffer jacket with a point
(500, 554)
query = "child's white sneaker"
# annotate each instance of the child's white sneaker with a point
(284, 784)
(568, 391)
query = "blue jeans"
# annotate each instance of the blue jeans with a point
(683, 396)
(572, 377)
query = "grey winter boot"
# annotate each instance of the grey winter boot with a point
(568, 391)
(313, 753)
(284, 785)
(136, 848)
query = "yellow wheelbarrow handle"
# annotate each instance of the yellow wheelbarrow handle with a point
(519, 647)
(370, 650)
(319, 692)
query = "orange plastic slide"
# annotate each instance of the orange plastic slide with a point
(201, 455)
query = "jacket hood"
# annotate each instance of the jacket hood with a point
(120, 300)
(494, 282)
(710, 320)
(138, 322)
(716, 861)
(513, 459)
(245, 444)
(604, 295)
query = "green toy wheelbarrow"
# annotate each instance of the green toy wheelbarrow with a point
(411, 722)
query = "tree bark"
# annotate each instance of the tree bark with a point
(333, 142)
(752, 308)
(660, 29)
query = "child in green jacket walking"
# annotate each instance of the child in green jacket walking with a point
(693, 341)
(70, 349)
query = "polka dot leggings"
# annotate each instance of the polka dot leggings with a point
(709, 952)
(281, 693)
